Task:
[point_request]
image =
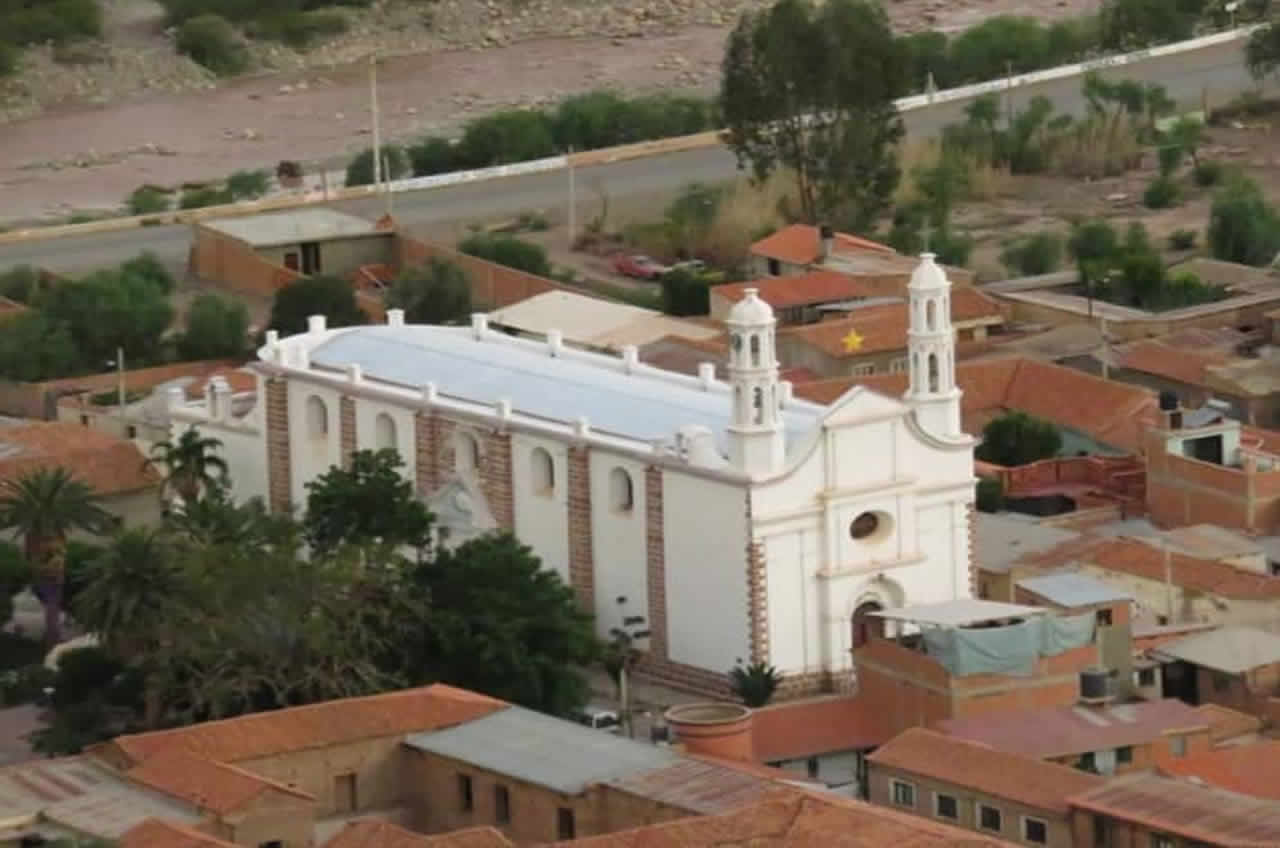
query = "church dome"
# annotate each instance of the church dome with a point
(928, 275)
(751, 310)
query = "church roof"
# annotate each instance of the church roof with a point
(541, 381)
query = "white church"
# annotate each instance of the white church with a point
(739, 522)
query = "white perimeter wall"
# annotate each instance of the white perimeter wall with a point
(542, 518)
(705, 524)
(619, 545)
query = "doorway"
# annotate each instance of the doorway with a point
(1179, 681)
(344, 793)
(865, 625)
(310, 257)
(291, 260)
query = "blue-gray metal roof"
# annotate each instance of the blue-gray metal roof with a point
(543, 750)
(1071, 589)
(641, 406)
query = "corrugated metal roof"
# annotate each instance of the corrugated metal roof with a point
(1072, 589)
(647, 405)
(292, 227)
(696, 785)
(1233, 650)
(958, 613)
(544, 750)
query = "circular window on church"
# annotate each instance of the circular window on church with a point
(870, 526)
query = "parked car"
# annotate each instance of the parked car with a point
(693, 266)
(598, 718)
(638, 265)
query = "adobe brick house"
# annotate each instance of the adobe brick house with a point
(995, 793)
(1235, 667)
(798, 249)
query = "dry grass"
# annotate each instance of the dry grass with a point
(1091, 149)
(986, 181)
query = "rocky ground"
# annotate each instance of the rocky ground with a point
(86, 124)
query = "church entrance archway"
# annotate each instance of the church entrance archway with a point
(865, 625)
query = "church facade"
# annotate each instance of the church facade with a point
(738, 522)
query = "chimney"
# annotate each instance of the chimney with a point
(716, 730)
(826, 238)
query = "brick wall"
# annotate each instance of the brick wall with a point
(233, 263)
(656, 555)
(492, 286)
(38, 400)
(581, 554)
(433, 446)
(347, 429)
(495, 479)
(279, 466)
(757, 594)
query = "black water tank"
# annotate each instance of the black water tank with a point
(1169, 401)
(826, 231)
(1094, 684)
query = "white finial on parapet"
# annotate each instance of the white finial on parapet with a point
(315, 324)
(504, 409)
(175, 397)
(430, 393)
(707, 374)
(479, 325)
(395, 317)
(555, 342)
(582, 427)
(630, 358)
(354, 373)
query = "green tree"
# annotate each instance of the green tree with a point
(685, 293)
(147, 200)
(509, 251)
(212, 42)
(43, 507)
(248, 185)
(433, 155)
(1017, 438)
(216, 328)
(1132, 24)
(20, 284)
(214, 519)
(1091, 245)
(992, 48)
(512, 135)
(147, 266)
(125, 308)
(191, 465)
(1040, 253)
(813, 90)
(372, 502)
(35, 348)
(754, 683)
(1243, 226)
(501, 624)
(438, 292)
(332, 297)
(135, 593)
(394, 160)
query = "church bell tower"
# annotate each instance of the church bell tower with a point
(931, 346)
(756, 436)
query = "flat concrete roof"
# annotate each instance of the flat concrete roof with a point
(594, 322)
(1072, 590)
(959, 612)
(1233, 650)
(299, 225)
(1000, 539)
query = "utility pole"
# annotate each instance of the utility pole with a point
(1106, 350)
(373, 109)
(573, 204)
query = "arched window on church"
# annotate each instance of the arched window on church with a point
(317, 418)
(544, 472)
(384, 431)
(930, 315)
(933, 372)
(758, 403)
(621, 492)
(914, 376)
(755, 351)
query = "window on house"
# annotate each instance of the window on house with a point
(84, 421)
(775, 268)
(564, 824)
(272, 843)
(1103, 618)
(1088, 762)
(1101, 832)
(1221, 681)
(344, 793)
(1034, 831)
(1146, 677)
(946, 807)
(811, 767)
(1178, 746)
(1159, 840)
(466, 802)
(898, 366)
(501, 805)
(317, 418)
(384, 432)
(904, 794)
(863, 369)
(1124, 754)
(1274, 567)
(544, 472)
(131, 432)
(989, 818)
(621, 492)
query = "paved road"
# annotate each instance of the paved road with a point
(1214, 74)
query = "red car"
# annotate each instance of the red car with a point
(638, 265)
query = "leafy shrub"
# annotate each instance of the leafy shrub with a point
(1017, 438)
(1161, 193)
(1243, 227)
(287, 169)
(512, 135)
(24, 685)
(509, 251)
(212, 42)
(1170, 158)
(216, 328)
(198, 198)
(297, 29)
(1208, 173)
(432, 155)
(685, 293)
(990, 495)
(754, 683)
(20, 284)
(8, 59)
(438, 292)
(360, 169)
(58, 21)
(1037, 254)
(82, 674)
(332, 297)
(147, 266)
(147, 200)
(1182, 239)
(248, 185)
(990, 49)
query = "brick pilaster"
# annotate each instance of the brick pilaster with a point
(757, 594)
(582, 569)
(495, 479)
(279, 466)
(423, 481)
(971, 519)
(346, 429)
(656, 563)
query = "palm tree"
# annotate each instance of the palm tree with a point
(43, 507)
(191, 465)
(131, 591)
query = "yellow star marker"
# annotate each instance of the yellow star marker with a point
(852, 342)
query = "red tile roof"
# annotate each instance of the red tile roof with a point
(1247, 769)
(110, 465)
(155, 833)
(1181, 364)
(313, 726)
(1063, 731)
(1115, 414)
(1226, 723)
(1202, 813)
(798, 244)
(699, 785)
(936, 756)
(796, 820)
(802, 729)
(375, 833)
(207, 784)
(809, 289)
